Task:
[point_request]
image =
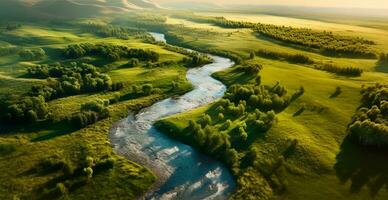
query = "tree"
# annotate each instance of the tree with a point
(88, 172)
(252, 55)
(133, 62)
(147, 89)
(32, 116)
(258, 80)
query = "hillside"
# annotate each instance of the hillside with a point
(27, 9)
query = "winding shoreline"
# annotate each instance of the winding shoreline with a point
(135, 138)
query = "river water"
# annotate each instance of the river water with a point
(183, 172)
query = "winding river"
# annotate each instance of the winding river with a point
(183, 172)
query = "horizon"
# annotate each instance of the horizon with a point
(348, 4)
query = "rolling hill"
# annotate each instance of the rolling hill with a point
(27, 9)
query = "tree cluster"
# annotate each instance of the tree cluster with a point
(196, 59)
(26, 110)
(109, 51)
(259, 97)
(69, 79)
(345, 71)
(292, 58)
(369, 125)
(90, 113)
(32, 54)
(113, 31)
(252, 69)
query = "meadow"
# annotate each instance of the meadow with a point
(25, 148)
(324, 164)
(304, 152)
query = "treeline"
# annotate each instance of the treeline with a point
(292, 58)
(115, 31)
(109, 51)
(345, 71)
(323, 41)
(369, 125)
(326, 42)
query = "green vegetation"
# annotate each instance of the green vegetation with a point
(63, 85)
(229, 127)
(369, 126)
(57, 108)
(305, 144)
(323, 41)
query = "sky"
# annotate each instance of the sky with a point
(318, 3)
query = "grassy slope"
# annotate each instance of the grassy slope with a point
(36, 143)
(324, 167)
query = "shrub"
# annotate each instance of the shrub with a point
(337, 92)
(147, 89)
(88, 172)
(104, 165)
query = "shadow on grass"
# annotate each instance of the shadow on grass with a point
(45, 130)
(362, 167)
(381, 68)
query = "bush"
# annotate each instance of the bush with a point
(337, 92)
(147, 89)
(104, 165)
(90, 113)
(133, 62)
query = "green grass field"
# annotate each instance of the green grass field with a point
(325, 165)
(33, 144)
